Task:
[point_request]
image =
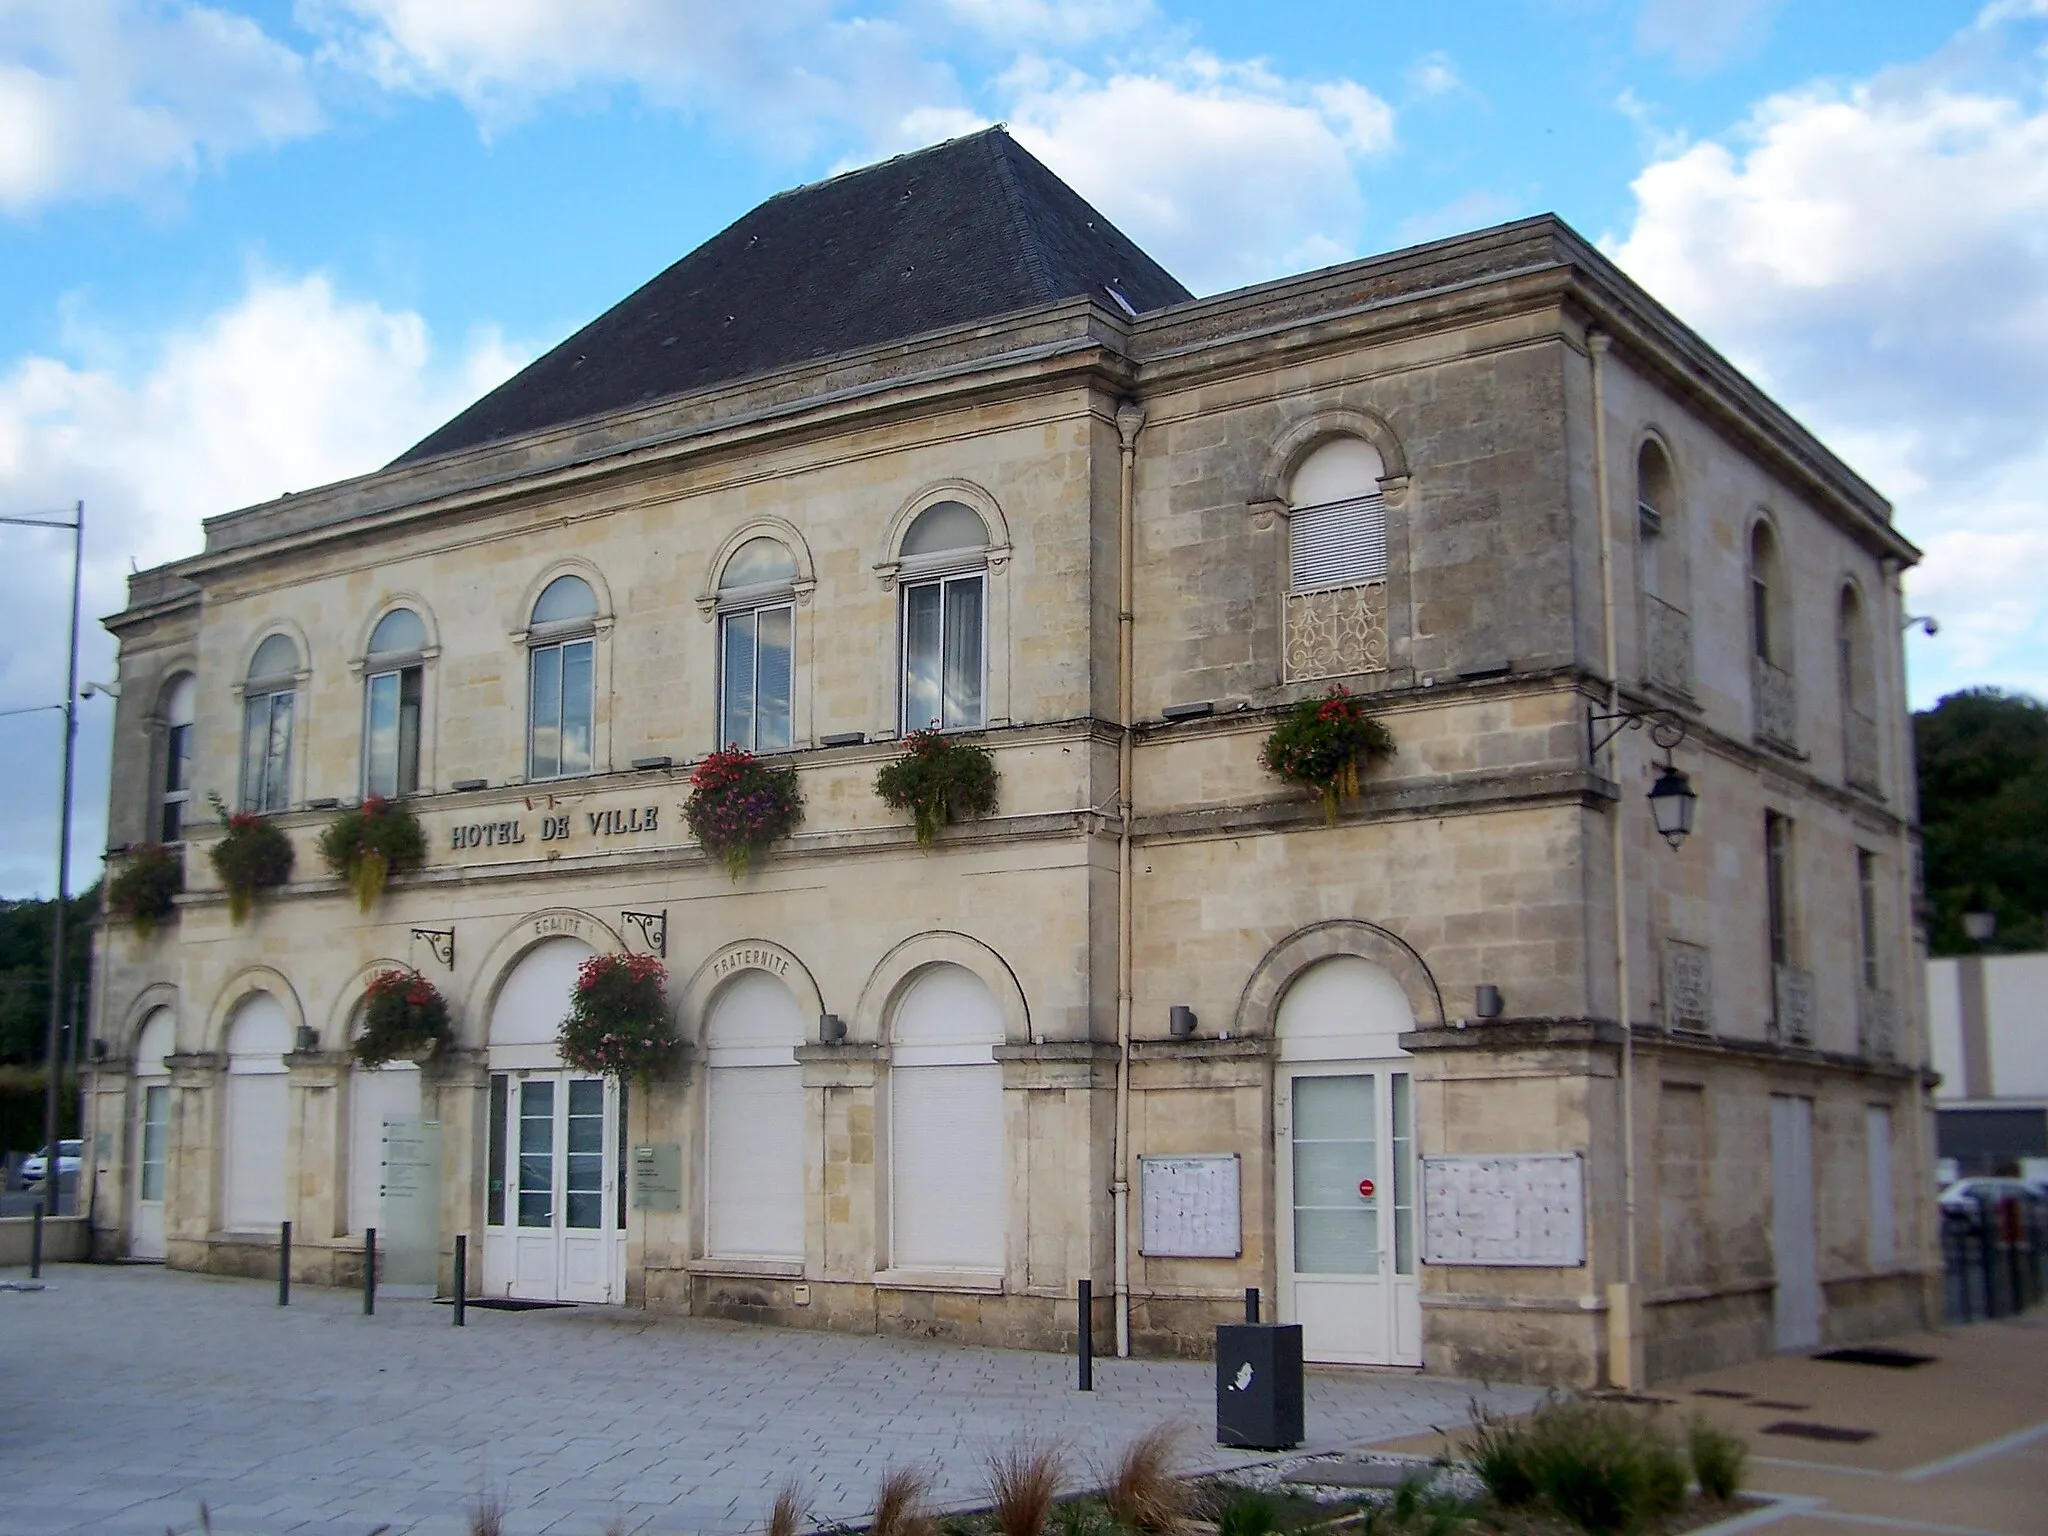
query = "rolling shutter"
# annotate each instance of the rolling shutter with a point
(258, 1103)
(947, 1191)
(754, 1113)
(1337, 544)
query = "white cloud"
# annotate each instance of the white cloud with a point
(292, 386)
(780, 67)
(1701, 35)
(1877, 255)
(106, 96)
(1052, 21)
(1225, 172)
(1434, 75)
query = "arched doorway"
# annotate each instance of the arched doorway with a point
(152, 1134)
(947, 1193)
(258, 1112)
(1344, 1118)
(553, 1227)
(754, 1122)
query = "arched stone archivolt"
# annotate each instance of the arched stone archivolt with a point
(783, 532)
(341, 1013)
(511, 946)
(1305, 436)
(728, 965)
(896, 969)
(159, 994)
(243, 985)
(968, 494)
(1258, 1007)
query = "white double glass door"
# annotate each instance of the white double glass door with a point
(152, 1146)
(1347, 1185)
(553, 1229)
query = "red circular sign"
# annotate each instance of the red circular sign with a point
(1365, 1189)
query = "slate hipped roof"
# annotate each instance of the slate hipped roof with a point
(964, 231)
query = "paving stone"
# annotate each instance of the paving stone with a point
(315, 1418)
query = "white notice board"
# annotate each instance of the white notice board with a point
(1188, 1207)
(1527, 1210)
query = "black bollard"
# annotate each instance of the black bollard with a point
(1251, 1303)
(370, 1272)
(1086, 1338)
(35, 1246)
(284, 1264)
(461, 1276)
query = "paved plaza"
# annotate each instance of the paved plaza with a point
(130, 1394)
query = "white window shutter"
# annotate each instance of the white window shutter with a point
(1337, 544)
(756, 1201)
(258, 1106)
(946, 1132)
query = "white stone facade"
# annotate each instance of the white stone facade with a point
(1481, 854)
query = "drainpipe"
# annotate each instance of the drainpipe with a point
(1623, 1328)
(1130, 420)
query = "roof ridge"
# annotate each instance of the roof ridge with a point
(876, 165)
(998, 142)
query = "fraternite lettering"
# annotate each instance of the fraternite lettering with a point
(751, 960)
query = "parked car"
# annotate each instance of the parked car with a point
(34, 1166)
(1967, 1196)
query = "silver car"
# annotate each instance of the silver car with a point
(36, 1164)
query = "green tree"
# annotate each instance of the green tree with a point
(1984, 813)
(25, 970)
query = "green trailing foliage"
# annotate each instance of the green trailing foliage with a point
(144, 891)
(370, 843)
(738, 805)
(618, 1023)
(252, 855)
(404, 1019)
(1324, 745)
(938, 779)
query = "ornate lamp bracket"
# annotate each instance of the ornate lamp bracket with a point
(1667, 729)
(653, 928)
(441, 941)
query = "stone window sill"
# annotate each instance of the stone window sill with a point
(978, 1282)
(762, 1269)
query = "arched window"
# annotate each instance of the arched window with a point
(392, 689)
(561, 663)
(1857, 683)
(754, 1122)
(258, 1108)
(944, 573)
(268, 698)
(1661, 565)
(756, 628)
(946, 1185)
(1337, 562)
(181, 700)
(1775, 702)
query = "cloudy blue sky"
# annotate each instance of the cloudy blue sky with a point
(250, 248)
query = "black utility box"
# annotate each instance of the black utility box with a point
(1258, 1385)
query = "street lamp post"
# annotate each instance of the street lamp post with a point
(53, 1179)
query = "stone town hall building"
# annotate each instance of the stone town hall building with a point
(933, 441)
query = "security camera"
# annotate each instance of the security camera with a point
(1927, 623)
(111, 690)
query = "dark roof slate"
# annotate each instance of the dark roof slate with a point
(960, 232)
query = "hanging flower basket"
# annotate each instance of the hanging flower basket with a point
(938, 779)
(1324, 744)
(738, 805)
(366, 846)
(618, 1023)
(144, 893)
(254, 855)
(404, 1019)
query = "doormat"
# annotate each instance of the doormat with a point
(1876, 1354)
(1732, 1396)
(1799, 1431)
(504, 1304)
(1772, 1402)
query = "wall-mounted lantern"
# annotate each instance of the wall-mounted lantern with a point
(831, 1029)
(1181, 1021)
(1486, 1001)
(1672, 797)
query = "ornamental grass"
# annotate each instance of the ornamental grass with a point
(144, 892)
(618, 1024)
(370, 843)
(939, 778)
(1324, 745)
(404, 1019)
(252, 855)
(738, 805)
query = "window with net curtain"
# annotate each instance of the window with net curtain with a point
(561, 662)
(268, 697)
(392, 687)
(180, 702)
(756, 631)
(943, 567)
